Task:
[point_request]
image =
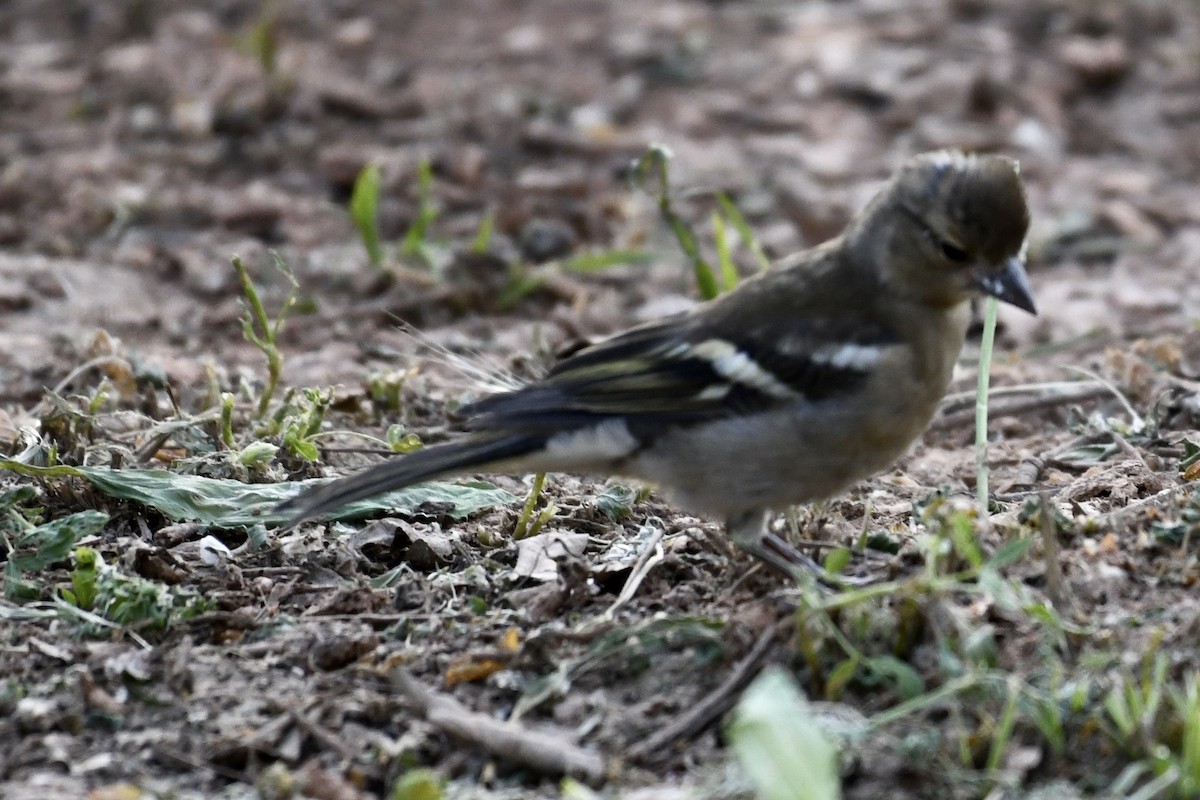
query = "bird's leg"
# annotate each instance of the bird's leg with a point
(749, 532)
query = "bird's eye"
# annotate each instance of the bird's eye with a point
(953, 253)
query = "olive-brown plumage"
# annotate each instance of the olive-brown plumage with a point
(788, 389)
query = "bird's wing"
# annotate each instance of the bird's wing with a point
(677, 372)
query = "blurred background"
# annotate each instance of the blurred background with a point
(143, 143)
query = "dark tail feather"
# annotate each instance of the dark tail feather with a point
(402, 471)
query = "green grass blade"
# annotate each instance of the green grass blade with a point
(364, 211)
(725, 265)
(735, 218)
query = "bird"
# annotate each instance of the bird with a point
(798, 383)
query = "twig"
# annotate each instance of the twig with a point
(955, 400)
(1111, 519)
(326, 737)
(170, 755)
(715, 704)
(1051, 553)
(651, 556)
(1135, 419)
(1129, 450)
(957, 419)
(546, 752)
(98, 361)
(1029, 470)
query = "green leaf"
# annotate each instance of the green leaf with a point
(1118, 711)
(521, 283)
(17, 588)
(364, 203)
(725, 265)
(837, 560)
(133, 601)
(706, 279)
(839, 676)
(53, 541)
(961, 527)
(233, 504)
(417, 784)
(735, 217)
(616, 501)
(1010, 552)
(416, 237)
(574, 790)
(83, 578)
(401, 440)
(906, 679)
(257, 454)
(779, 743)
(1191, 454)
(654, 160)
(17, 496)
(604, 259)
(300, 446)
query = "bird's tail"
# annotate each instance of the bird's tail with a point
(475, 453)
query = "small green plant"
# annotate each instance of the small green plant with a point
(261, 39)
(531, 521)
(386, 388)
(135, 602)
(262, 331)
(653, 163)
(417, 240)
(364, 211)
(33, 547)
(1186, 703)
(401, 440)
(1134, 704)
(524, 280)
(749, 241)
(710, 281)
(83, 591)
(297, 421)
(1157, 722)
(418, 244)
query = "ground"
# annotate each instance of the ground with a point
(1047, 650)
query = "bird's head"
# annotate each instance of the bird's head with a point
(959, 225)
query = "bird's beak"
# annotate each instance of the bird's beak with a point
(1009, 285)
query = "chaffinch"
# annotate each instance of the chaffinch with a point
(801, 381)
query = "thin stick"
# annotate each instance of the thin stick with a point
(546, 752)
(1044, 389)
(956, 419)
(1051, 553)
(326, 737)
(651, 556)
(720, 700)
